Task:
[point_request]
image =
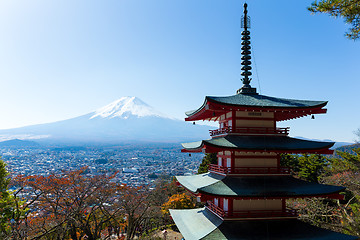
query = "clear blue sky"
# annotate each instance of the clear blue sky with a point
(61, 59)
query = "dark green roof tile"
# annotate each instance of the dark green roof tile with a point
(255, 186)
(254, 100)
(260, 143)
(264, 101)
(200, 223)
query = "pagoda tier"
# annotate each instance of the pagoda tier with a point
(245, 192)
(264, 143)
(202, 224)
(210, 185)
(281, 109)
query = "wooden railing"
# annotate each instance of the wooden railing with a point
(248, 170)
(215, 209)
(250, 130)
(251, 213)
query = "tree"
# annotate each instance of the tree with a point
(338, 215)
(11, 208)
(308, 167)
(291, 161)
(67, 205)
(6, 201)
(138, 210)
(347, 9)
(163, 190)
(178, 201)
(74, 205)
(209, 158)
(311, 167)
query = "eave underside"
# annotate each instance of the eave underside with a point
(202, 224)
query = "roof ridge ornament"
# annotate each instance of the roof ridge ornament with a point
(246, 55)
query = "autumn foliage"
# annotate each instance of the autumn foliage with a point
(73, 205)
(178, 201)
(342, 170)
(67, 205)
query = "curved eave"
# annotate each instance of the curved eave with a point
(211, 109)
(200, 223)
(196, 182)
(195, 223)
(279, 144)
(250, 187)
(255, 100)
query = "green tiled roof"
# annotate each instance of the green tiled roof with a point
(255, 186)
(255, 100)
(260, 143)
(202, 224)
(261, 101)
(271, 230)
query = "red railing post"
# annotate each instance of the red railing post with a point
(249, 130)
(248, 170)
(217, 210)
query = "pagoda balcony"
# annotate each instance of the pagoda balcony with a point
(253, 214)
(249, 130)
(249, 170)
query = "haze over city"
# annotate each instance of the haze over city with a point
(62, 59)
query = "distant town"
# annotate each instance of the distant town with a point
(136, 165)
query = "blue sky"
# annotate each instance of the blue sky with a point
(61, 59)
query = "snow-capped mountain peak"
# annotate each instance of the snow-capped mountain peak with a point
(126, 107)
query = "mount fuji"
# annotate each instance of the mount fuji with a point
(125, 120)
(126, 107)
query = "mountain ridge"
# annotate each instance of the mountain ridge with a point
(126, 119)
(125, 106)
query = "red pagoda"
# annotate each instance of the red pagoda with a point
(246, 191)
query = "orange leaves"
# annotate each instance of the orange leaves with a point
(70, 203)
(178, 201)
(67, 203)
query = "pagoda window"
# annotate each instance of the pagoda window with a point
(216, 202)
(229, 115)
(230, 123)
(228, 162)
(226, 205)
(219, 161)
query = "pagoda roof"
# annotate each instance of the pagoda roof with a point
(285, 108)
(255, 186)
(202, 224)
(259, 143)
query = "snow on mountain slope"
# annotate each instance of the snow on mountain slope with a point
(125, 107)
(126, 120)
